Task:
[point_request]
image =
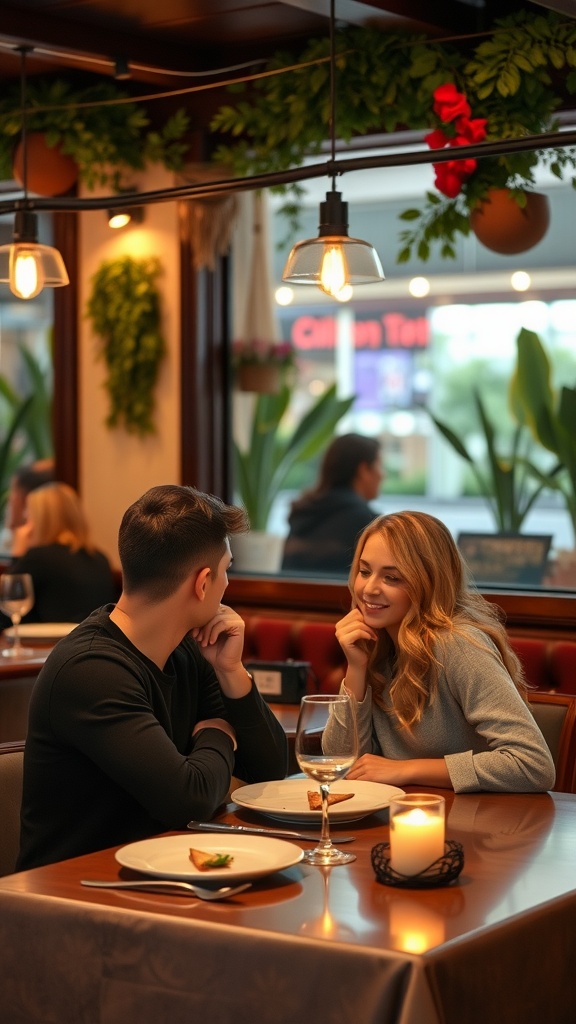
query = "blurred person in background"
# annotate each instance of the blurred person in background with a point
(326, 520)
(71, 577)
(24, 480)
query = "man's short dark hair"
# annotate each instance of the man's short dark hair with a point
(170, 531)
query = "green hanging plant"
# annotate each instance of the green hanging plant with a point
(510, 83)
(124, 308)
(95, 126)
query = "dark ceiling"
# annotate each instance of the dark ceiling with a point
(163, 41)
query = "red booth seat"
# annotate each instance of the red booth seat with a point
(550, 665)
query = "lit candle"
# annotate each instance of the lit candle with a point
(416, 832)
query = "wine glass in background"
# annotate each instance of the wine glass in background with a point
(326, 748)
(16, 600)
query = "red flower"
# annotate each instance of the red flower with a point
(437, 139)
(451, 175)
(449, 103)
(472, 131)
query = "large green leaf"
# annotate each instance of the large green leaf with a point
(531, 394)
(38, 420)
(551, 418)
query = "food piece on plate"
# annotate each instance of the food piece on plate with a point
(204, 861)
(315, 799)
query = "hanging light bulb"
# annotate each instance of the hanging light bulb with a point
(25, 264)
(333, 260)
(333, 273)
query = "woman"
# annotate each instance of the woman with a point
(440, 694)
(325, 521)
(71, 578)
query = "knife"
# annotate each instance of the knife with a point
(282, 833)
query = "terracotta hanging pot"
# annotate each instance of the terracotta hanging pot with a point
(49, 172)
(264, 378)
(505, 227)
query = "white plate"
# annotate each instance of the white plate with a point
(169, 856)
(42, 630)
(286, 799)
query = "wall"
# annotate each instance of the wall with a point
(116, 467)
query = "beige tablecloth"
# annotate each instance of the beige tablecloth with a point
(86, 964)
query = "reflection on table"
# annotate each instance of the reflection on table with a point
(307, 943)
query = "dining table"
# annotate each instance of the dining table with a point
(335, 945)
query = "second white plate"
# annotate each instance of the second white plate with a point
(169, 856)
(42, 630)
(286, 799)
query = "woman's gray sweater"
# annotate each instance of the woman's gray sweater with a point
(477, 721)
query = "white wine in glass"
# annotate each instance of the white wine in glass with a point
(16, 600)
(325, 762)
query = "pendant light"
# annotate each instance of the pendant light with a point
(25, 264)
(333, 261)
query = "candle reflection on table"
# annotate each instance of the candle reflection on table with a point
(414, 927)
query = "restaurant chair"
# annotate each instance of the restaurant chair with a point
(11, 770)
(555, 714)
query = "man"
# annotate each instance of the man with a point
(141, 716)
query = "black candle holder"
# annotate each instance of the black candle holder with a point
(441, 872)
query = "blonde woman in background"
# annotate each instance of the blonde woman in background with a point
(71, 577)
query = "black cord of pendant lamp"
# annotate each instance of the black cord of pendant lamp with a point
(333, 261)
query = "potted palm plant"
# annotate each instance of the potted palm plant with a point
(25, 422)
(510, 483)
(263, 464)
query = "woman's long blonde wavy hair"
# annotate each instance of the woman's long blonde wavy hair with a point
(442, 605)
(57, 517)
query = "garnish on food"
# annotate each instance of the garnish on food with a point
(204, 861)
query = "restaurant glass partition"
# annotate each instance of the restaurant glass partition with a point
(417, 346)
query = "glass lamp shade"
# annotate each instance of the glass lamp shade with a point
(333, 259)
(26, 265)
(332, 262)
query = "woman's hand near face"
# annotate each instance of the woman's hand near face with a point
(350, 632)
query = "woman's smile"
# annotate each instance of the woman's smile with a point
(379, 588)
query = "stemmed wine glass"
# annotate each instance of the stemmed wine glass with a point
(16, 600)
(326, 748)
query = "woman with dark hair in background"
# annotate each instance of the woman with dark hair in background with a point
(326, 520)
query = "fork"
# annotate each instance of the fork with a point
(170, 886)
